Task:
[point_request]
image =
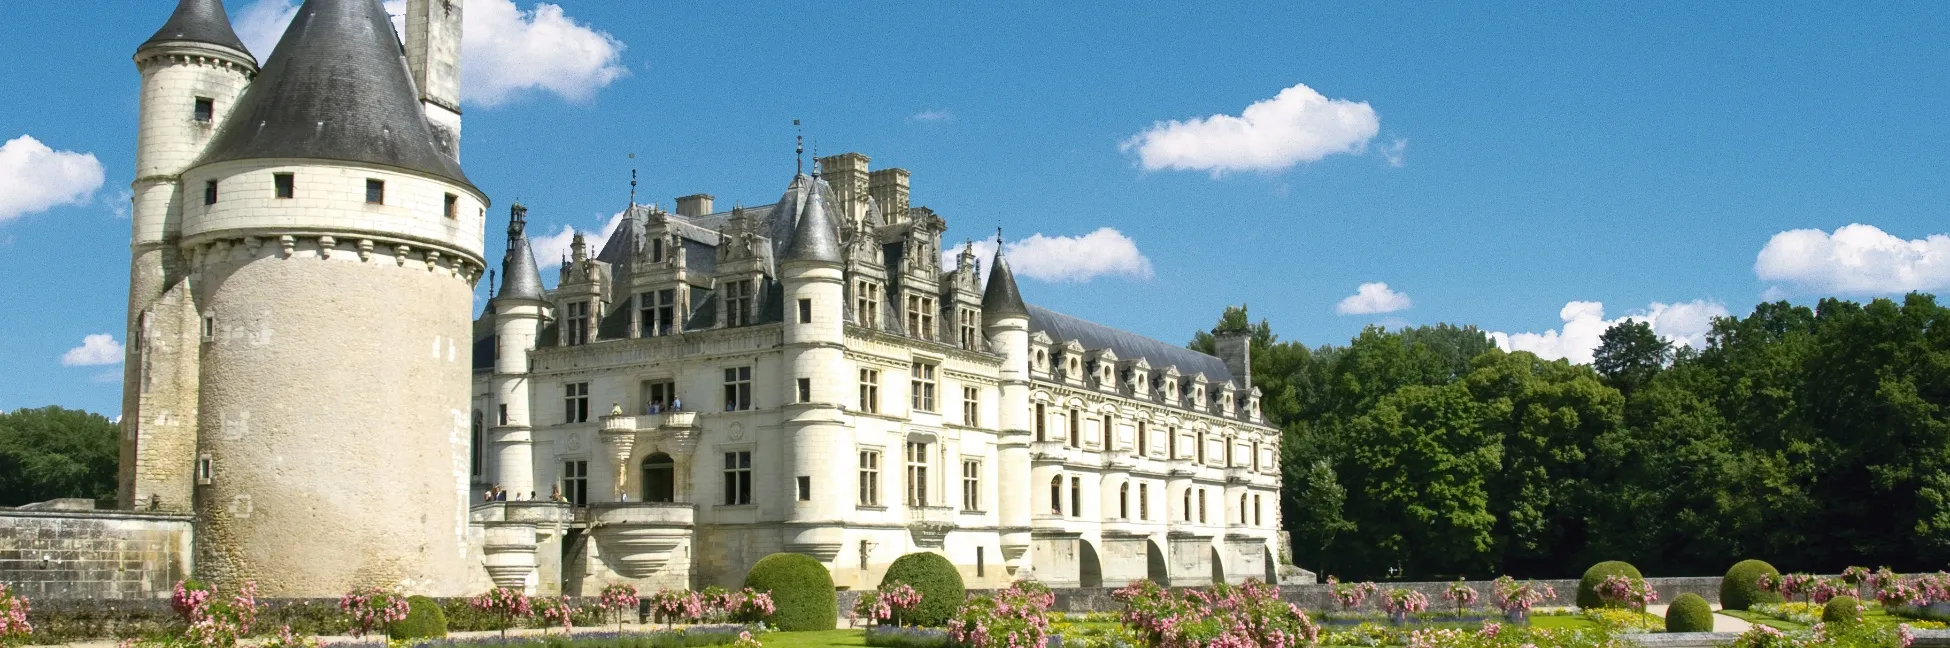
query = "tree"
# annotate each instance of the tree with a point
(51, 453)
(1629, 354)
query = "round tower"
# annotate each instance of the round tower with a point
(1005, 320)
(518, 313)
(192, 71)
(817, 440)
(333, 249)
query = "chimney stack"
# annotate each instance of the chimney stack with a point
(694, 205)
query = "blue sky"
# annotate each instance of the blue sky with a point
(1510, 166)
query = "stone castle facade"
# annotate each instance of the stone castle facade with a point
(707, 388)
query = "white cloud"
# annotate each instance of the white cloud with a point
(1373, 298)
(35, 178)
(1298, 125)
(1854, 259)
(1396, 152)
(505, 51)
(932, 116)
(1682, 323)
(550, 249)
(95, 350)
(1064, 259)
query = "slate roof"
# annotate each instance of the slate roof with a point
(1129, 346)
(1001, 297)
(336, 88)
(521, 278)
(814, 237)
(200, 21)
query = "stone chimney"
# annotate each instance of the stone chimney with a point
(1235, 347)
(889, 190)
(694, 205)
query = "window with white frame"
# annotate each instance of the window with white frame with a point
(1124, 501)
(1076, 496)
(866, 303)
(1056, 495)
(971, 485)
(922, 383)
(575, 403)
(1042, 421)
(657, 312)
(575, 326)
(575, 482)
(870, 391)
(1201, 506)
(971, 406)
(739, 298)
(1188, 505)
(917, 474)
(870, 478)
(920, 317)
(1076, 428)
(738, 478)
(737, 388)
(1143, 440)
(1144, 501)
(971, 331)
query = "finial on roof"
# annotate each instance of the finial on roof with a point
(799, 148)
(1001, 298)
(521, 277)
(632, 181)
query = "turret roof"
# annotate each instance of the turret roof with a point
(521, 278)
(1000, 298)
(336, 88)
(814, 237)
(200, 21)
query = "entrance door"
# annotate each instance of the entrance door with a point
(659, 478)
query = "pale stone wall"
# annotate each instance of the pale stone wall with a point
(330, 198)
(93, 554)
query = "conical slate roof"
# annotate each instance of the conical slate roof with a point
(200, 21)
(1000, 298)
(336, 88)
(521, 278)
(814, 237)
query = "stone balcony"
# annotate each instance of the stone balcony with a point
(639, 538)
(1049, 450)
(626, 423)
(930, 524)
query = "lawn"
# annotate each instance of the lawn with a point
(1762, 619)
(814, 639)
(1562, 622)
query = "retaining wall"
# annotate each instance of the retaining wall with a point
(87, 554)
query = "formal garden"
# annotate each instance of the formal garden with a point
(790, 601)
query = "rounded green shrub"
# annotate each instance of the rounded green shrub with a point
(1842, 610)
(938, 582)
(1740, 589)
(1689, 613)
(424, 620)
(1588, 586)
(801, 589)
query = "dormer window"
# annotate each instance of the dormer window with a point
(206, 109)
(866, 304)
(656, 250)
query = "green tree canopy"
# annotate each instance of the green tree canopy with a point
(50, 453)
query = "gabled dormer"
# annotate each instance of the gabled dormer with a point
(1169, 384)
(1100, 369)
(1069, 362)
(1197, 389)
(1137, 378)
(1040, 353)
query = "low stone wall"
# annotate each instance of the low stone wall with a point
(86, 554)
(1321, 597)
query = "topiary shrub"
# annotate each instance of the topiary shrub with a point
(1588, 586)
(424, 620)
(1740, 589)
(801, 588)
(1689, 613)
(1842, 610)
(938, 582)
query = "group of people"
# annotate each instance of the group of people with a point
(658, 407)
(498, 494)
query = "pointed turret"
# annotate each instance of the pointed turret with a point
(198, 21)
(1001, 299)
(336, 88)
(522, 277)
(814, 237)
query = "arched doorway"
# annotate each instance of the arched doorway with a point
(1272, 566)
(1218, 568)
(1090, 572)
(659, 478)
(1154, 563)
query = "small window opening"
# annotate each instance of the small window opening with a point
(285, 184)
(805, 311)
(805, 488)
(209, 327)
(805, 390)
(205, 469)
(206, 109)
(210, 192)
(453, 206)
(376, 191)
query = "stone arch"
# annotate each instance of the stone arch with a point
(1218, 567)
(659, 478)
(1154, 563)
(1090, 571)
(1272, 565)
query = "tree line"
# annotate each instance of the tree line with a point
(1815, 438)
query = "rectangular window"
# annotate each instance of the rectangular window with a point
(575, 483)
(971, 485)
(971, 332)
(1144, 501)
(866, 304)
(1171, 443)
(657, 312)
(656, 250)
(1258, 509)
(738, 478)
(1041, 421)
(575, 327)
(1076, 429)
(502, 414)
(1106, 426)
(920, 317)
(917, 474)
(205, 469)
(738, 303)
(971, 407)
(206, 109)
(285, 184)
(210, 192)
(452, 206)
(1143, 440)
(737, 389)
(805, 390)
(870, 478)
(805, 488)
(1187, 508)
(1201, 506)
(375, 191)
(1076, 496)
(659, 396)
(209, 327)
(981, 561)
(575, 403)
(922, 384)
(805, 311)
(870, 391)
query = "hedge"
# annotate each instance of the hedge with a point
(801, 589)
(1842, 610)
(1740, 589)
(424, 620)
(1588, 586)
(938, 582)
(1689, 613)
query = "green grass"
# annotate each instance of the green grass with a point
(814, 639)
(1762, 619)
(1563, 622)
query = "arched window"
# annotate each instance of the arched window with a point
(1056, 495)
(659, 478)
(1188, 505)
(1124, 501)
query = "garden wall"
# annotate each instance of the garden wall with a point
(1321, 597)
(80, 553)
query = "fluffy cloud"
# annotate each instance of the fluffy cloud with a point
(1298, 125)
(1065, 259)
(1396, 152)
(1683, 323)
(932, 116)
(1373, 298)
(550, 249)
(95, 350)
(505, 51)
(1854, 259)
(34, 177)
